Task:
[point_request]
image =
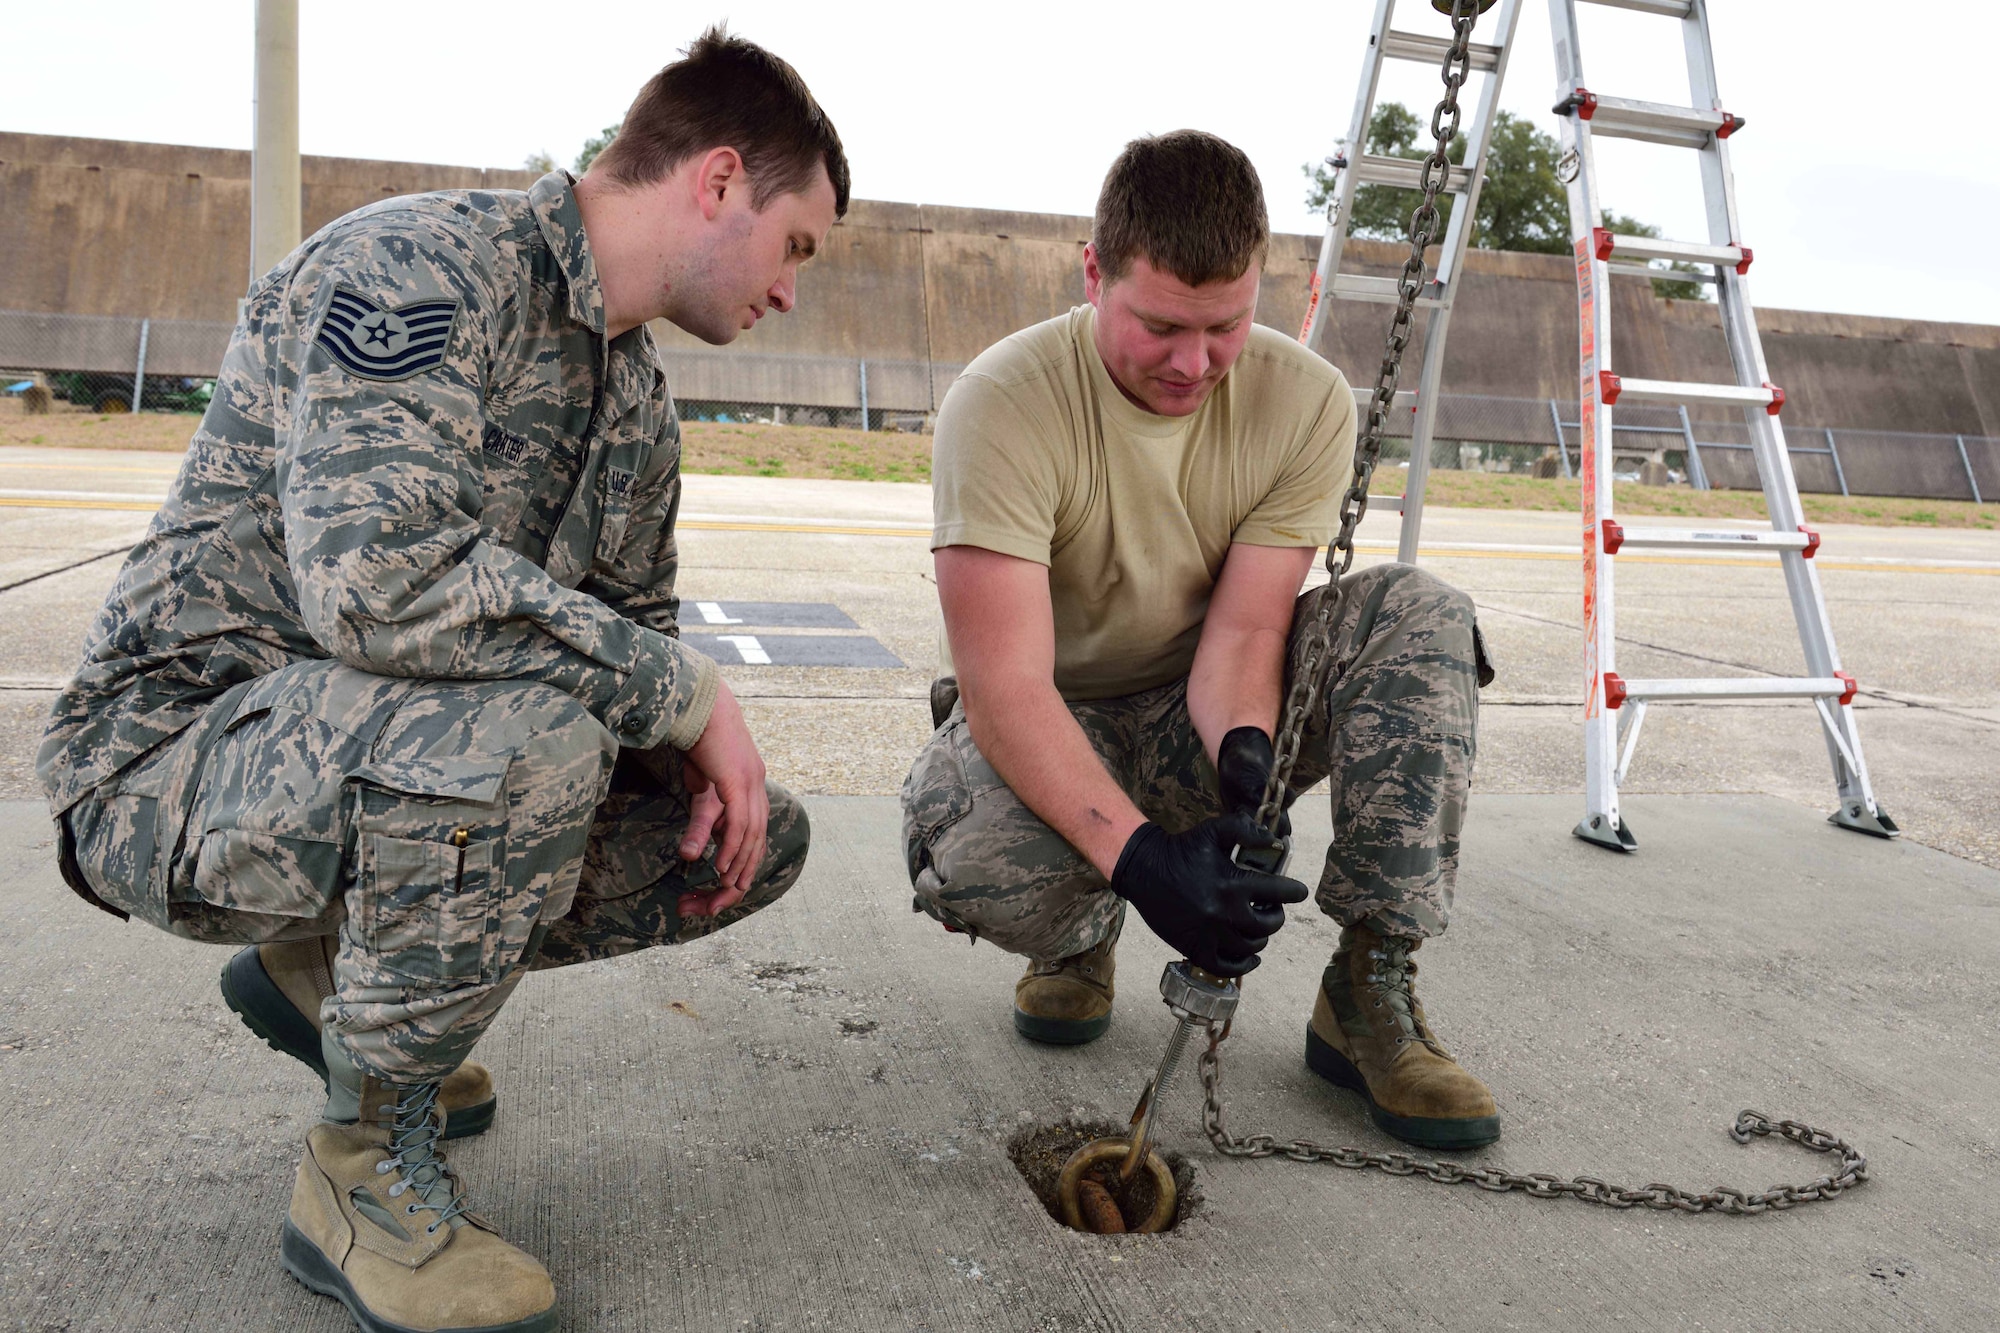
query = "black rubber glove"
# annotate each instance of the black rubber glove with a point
(1243, 765)
(1215, 912)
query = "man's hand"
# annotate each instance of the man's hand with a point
(726, 800)
(1243, 764)
(1218, 914)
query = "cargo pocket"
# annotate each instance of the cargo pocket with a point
(266, 874)
(431, 838)
(264, 836)
(109, 839)
(936, 794)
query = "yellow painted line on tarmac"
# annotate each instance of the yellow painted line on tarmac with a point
(1447, 553)
(864, 530)
(76, 465)
(1439, 552)
(22, 502)
(820, 529)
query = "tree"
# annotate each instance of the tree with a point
(1522, 205)
(596, 144)
(539, 163)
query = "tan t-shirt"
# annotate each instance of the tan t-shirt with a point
(1038, 455)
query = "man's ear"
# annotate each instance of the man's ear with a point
(1093, 276)
(719, 172)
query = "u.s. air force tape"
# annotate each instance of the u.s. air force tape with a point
(380, 343)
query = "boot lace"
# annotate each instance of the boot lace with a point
(1392, 980)
(1089, 963)
(415, 1128)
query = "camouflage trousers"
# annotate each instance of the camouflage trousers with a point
(1393, 733)
(454, 835)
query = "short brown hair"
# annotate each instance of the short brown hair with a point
(729, 92)
(1189, 202)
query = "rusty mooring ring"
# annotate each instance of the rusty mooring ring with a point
(1114, 1150)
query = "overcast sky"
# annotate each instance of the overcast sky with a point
(1867, 177)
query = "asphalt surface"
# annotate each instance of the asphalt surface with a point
(803, 1123)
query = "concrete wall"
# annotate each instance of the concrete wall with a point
(102, 227)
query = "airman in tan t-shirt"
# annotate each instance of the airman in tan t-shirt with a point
(1040, 456)
(1128, 499)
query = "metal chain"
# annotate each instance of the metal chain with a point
(1298, 707)
(1540, 1184)
(1340, 551)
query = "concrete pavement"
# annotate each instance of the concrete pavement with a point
(802, 1123)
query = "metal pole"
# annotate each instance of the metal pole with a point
(274, 157)
(139, 374)
(864, 395)
(1838, 474)
(1963, 457)
(1697, 474)
(1562, 450)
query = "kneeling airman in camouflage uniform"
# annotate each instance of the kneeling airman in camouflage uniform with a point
(1128, 500)
(392, 690)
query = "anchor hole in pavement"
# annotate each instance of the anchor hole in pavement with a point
(1039, 1153)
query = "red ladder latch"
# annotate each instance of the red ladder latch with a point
(1613, 537)
(1812, 543)
(1582, 101)
(1614, 690)
(1608, 387)
(1852, 688)
(1777, 403)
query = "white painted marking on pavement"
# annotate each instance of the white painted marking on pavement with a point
(712, 613)
(747, 648)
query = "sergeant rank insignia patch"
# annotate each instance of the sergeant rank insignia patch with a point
(382, 344)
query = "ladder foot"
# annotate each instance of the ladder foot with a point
(1854, 815)
(1597, 829)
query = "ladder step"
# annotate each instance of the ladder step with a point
(1654, 122)
(1673, 9)
(1405, 173)
(1615, 537)
(1432, 50)
(1615, 388)
(1839, 686)
(1382, 291)
(1661, 274)
(1608, 243)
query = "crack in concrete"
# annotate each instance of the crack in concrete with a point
(62, 569)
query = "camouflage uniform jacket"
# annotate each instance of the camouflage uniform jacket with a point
(423, 458)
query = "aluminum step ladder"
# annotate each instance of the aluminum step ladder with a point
(1614, 707)
(1353, 166)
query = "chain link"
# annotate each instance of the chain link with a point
(1299, 703)
(1304, 693)
(1540, 1184)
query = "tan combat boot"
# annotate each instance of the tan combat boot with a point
(1368, 1033)
(1067, 1002)
(276, 990)
(379, 1222)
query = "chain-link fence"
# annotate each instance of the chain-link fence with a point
(806, 390)
(109, 364)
